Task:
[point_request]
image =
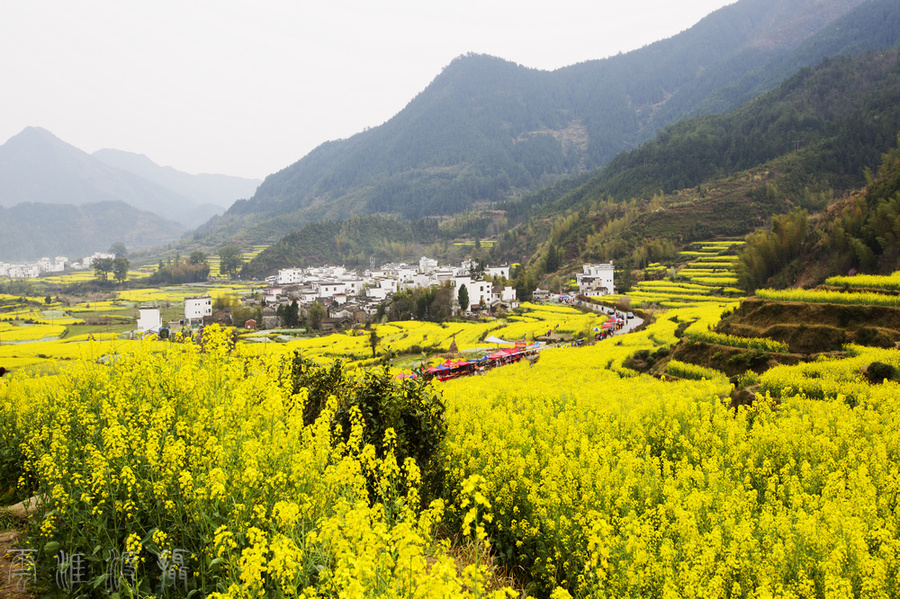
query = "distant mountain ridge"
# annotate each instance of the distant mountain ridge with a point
(487, 130)
(804, 144)
(218, 190)
(57, 199)
(38, 167)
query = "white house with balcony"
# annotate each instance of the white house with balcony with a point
(597, 280)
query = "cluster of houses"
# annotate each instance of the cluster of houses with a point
(595, 280)
(338, 285)
(352, 298)
(31, 270)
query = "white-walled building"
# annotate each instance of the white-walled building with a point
(597, 280)
(426, 264)
(290, 276)
(331, 288)
(377, 293)
(353, 285)
(478, 290)
(195, 308)
(507, 294)
(149, 319)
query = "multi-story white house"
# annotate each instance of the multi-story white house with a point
(290, 276)
(426, 264)
(331, 288)
(506, 295)
(597, 280)
(195, 308)
(353, 285)
(479, 290)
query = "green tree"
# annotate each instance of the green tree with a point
(316, 315)
(292, 315)
(463, 298)
(102, 268)
(551, 262)
(374, 339)
(120, 268)
(197, 257)
(230, 260)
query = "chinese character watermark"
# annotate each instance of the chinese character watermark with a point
(70, 570)
(173, 567)
(119, 566)
(23, 567)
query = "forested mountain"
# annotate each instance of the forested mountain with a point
(32, 230)
(803, 144)
(874, 25)
(858, 234)
(487, 130)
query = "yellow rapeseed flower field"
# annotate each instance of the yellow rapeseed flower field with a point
(191, 468)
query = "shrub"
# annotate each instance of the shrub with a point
(878, 372)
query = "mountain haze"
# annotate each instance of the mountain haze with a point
(56, 199)
(38, 167)
(220, 191)
(804, 145)
(487, 130)
(31, 230)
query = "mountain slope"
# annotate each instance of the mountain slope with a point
(803, 144)
(487, 130)
(873, 25)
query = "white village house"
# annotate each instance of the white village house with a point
(195, 308)
(149, 319)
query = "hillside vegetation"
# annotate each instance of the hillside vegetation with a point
(804, 144)
(858, 234)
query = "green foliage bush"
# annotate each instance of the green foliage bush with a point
(410, 407)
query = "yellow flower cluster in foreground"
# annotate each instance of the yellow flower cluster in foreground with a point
(172, 449)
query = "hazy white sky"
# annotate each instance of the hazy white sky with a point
(241, 88)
